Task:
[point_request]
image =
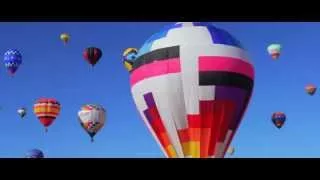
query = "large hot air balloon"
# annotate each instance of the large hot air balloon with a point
(311, 89)
(278, 119)
(129, 55)
(92, 119)
(22, 112)
(191, 83)
(65, 38)
(274, 50)
(12, 60)
(34, 153)
(92, 55)
(47, 110)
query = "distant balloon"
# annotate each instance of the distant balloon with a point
(231, 151)
(34, 153)
(278, 119)
(92, 55)
(47, 110)
(274, 50)
(22, 112)
(311, 89)
(92, 118)
(65, 37)
(12, 60)
(129, 55)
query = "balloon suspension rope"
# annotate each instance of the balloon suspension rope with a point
(46, 129)
(92, 140)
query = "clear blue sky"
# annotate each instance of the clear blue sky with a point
(51, 69)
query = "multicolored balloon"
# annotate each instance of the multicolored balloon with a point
(311, 89)
(129, 55)
(278, 119)
(92, 118)
(92, 55)
(47, 110)
(12, 60)
(34, 153)
(191, 83)
(22, 112)
(65, 38)
(274, 50)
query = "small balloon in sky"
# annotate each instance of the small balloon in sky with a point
(311, 89)
(129, 55)
(65, 38)
(92, 119)
(12, 60)
(22, 112)
(47, 110)
(92, 55)
(278, 119)
(274, 51)
(34, 153)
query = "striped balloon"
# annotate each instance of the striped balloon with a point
(47, 110)
(92, 55)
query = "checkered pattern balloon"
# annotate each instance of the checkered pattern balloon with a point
(12, 60)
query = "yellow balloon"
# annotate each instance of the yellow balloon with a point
(65, 37)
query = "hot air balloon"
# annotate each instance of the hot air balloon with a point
(34, 153)
(22, 112)
(47, 110)
(311, 89)
(191, 83)
(278, 119)
(92, 55)
(129, 55)
(231, 151)
(12, 60)
(65, 38)
(92, 118)
(274, 50)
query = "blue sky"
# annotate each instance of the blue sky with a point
(51, 69)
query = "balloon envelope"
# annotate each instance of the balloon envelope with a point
(278, 119)
(65, 37)
(34, 153)
(12, 60)
(311, 89)
(47, 110)
(92, 55)
(191, 83)
(129, 55)
(92, 118)
(22, 112)
(274, 50)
